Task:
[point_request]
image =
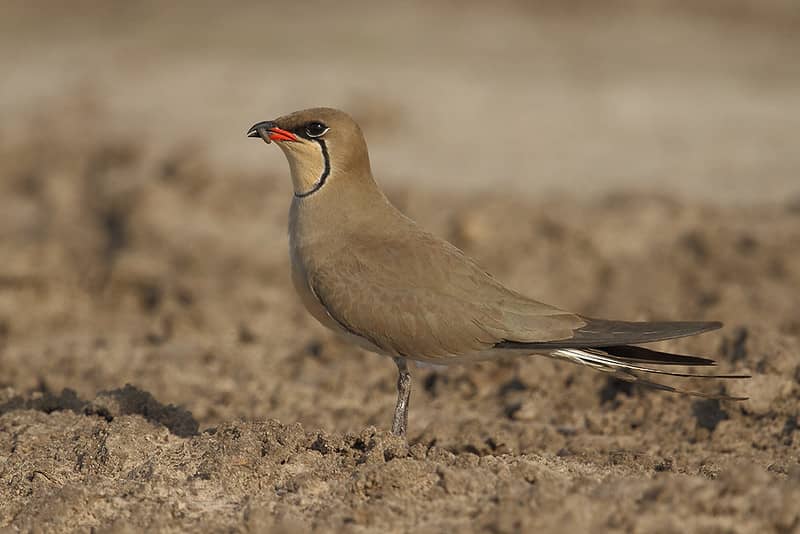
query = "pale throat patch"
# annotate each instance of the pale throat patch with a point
(309, 166)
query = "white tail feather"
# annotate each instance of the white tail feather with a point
(606, 363)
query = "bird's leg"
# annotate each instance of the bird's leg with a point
(400, 419)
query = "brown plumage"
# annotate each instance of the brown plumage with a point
(365, 270)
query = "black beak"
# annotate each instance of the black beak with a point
(261, 129)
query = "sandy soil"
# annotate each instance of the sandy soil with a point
(158, 372)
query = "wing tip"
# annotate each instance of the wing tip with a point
(636, 354)
(599, 333)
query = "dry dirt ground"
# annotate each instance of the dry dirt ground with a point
(157, 371)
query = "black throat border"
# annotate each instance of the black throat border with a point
(326, 171)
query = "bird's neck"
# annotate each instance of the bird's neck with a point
(345, 205)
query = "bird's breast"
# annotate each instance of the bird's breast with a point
(298, 256)
(300, 279)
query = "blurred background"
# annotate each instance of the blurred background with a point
(698, 98)
(635, 159)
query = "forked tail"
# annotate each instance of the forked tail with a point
(625, 363)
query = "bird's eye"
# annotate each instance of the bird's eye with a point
(316, 129)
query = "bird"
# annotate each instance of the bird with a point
(370, 273)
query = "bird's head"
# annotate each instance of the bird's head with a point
(323, 145)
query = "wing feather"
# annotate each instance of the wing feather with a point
(604, 333)
(422, 298)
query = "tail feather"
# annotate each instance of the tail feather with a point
(625, 367)
(631, 377)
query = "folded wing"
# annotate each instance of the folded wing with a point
(603, 333)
